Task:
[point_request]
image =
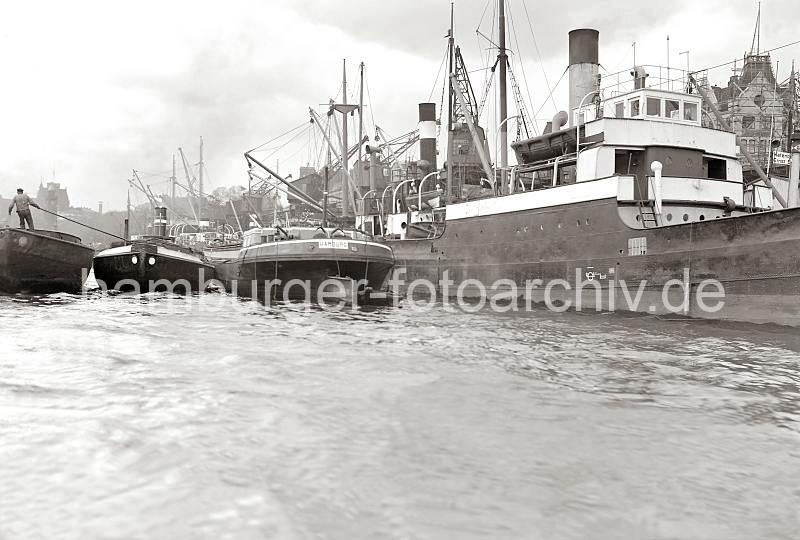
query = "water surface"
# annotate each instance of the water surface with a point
(209, 417)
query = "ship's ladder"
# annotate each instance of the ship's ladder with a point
(647, 213)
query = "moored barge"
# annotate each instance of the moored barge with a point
(42, 262)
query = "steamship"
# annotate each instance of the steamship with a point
(153, 264)
(625, 202)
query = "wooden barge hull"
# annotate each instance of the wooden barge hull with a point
(605, 263)
(42, 262)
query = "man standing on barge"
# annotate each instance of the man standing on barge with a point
(23, 204)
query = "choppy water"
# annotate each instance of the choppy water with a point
(207, 417)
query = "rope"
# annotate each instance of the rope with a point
(551, 92)
(304, 124)
(539, 55)
(438, 73)
(284, 145)
(369, 98)
(522, 68)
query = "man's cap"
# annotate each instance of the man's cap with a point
(20, 190)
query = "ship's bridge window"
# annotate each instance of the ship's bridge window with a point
(653, 106)
(672, 108)
(690, 111)
(619, 109)
(634, 108)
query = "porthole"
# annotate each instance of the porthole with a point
(541, 227)
(702, 217)
(559, 225)
(587, 221)
(669, 217)
(638, 218)
(151, 261)
(134, 260)
(685, 217)
(578, 223)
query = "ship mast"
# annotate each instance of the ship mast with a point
(451, 96)
(502, 58)
(345, 109)
(345, 166)
(360, 124)
(200, 183)
(792, 106)
(173, 179)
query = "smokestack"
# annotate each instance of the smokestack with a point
(100, 207)
(160, 222)
(427, 135)
(583, 67)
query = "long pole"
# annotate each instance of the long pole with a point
(127, 233)
(454, 190)
(345, 166)
(669, 79)
(290, 189)
(325, 199)
(475, 137)
(81, 224)
(236, 216)
(793, 104)
(503, 59)
(360, 126)
(173, 180)
(200, 182)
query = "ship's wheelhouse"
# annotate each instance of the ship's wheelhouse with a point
(670, 168)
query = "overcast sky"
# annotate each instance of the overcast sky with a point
(94, 89)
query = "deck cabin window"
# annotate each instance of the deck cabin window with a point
(748, 122)
(690, 111)
(619, 109)
(672, 108)
(653, 106)
(715, 168)
(634, 107)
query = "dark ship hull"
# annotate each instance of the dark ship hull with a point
(151, 267)
(299, 270)
(42, 262)
(606, 264)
